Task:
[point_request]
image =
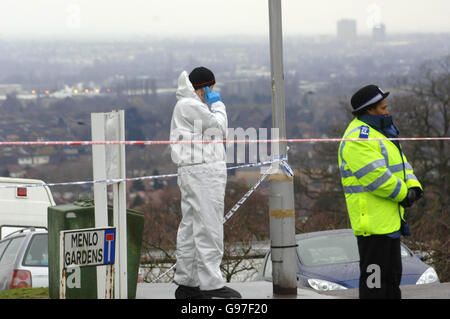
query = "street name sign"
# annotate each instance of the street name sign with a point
(89, 247)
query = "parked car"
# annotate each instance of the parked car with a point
(329, 260)
(24, 259)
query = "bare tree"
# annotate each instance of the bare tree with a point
(423, 108)
(319, 199)
(249, 224)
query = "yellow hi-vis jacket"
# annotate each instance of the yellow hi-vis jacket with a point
(375, 180)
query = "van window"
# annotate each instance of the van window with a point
(11, 250)
(7, 230)
(37, 252)
(3, 245)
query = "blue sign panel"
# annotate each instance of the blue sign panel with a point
(110, 246)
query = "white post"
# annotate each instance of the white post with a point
(109, 284)
(62, 269)
(109, 163)
(100, 189)
(120, 206)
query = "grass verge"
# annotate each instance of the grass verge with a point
(25, 293)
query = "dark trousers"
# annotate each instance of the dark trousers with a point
(380, 266)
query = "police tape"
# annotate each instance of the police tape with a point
(228, 141)
(234, 209)
(131, 179)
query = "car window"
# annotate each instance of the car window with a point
(37, 251)
(10, 253)
(332, 249)
(328, 250)
(404, 253)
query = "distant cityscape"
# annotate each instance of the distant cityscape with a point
(59, 69)
(347, 31)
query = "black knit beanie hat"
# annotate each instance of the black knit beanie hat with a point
(201, 77)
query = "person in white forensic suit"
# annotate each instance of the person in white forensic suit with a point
(202, 181)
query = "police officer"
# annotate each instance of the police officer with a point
(378, 184)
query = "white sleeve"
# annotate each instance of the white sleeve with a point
(214, 118)
(220, 112)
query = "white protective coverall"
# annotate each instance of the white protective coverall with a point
(200, 234)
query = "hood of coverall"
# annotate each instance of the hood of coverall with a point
(185, 88)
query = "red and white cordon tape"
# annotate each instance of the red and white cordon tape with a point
(165, 142)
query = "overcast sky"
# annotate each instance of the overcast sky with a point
(169, 18)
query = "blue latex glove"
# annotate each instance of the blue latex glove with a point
(211, 96)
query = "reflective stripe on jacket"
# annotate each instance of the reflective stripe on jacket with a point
(375, 179)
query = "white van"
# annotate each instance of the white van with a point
(22, 206)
